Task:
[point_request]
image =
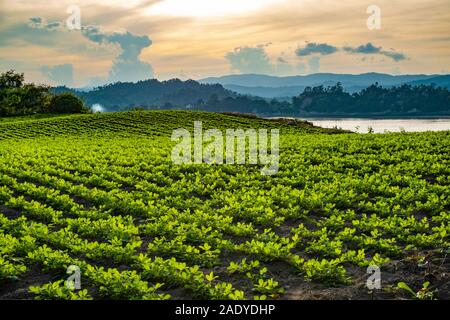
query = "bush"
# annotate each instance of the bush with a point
(67, 103)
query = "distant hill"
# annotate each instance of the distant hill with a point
(267, 92)
(367, 79)
(285, 93)
(275, 87)
(439, 81)
(150, 93)
(325, 99)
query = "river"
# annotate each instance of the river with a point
(383, 125)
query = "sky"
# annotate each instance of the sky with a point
(192, 39)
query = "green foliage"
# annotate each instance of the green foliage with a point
(326, 271)
(401, 100)
(66, 103)
(154, 94)
(268, 286)
(11, 80)
(17, 98)
(100, 192)
(128, 285)
(58, 291)
(243, 266)
(425, 293)
(10, 270)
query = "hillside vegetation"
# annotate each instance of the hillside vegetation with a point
(18, 98)
(141, 123)
(319, 100)
(169, 94)
(100, 192)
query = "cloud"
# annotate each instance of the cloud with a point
(313, 48)
(396, 56)
(250, 60)
(282, 60)
(60, 74)
(96, 81)
(314, 64)
(39, 23)
(283, 67)
(369, 48)
(366, 49)
(128, 65)
(301, 68)
(186, 36)
(36, 20)
(256, 60)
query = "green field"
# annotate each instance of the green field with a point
(101, 192)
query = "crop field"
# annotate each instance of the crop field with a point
(100, 192)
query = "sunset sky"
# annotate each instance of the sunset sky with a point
(139, 39)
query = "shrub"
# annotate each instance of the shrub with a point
(67, 103)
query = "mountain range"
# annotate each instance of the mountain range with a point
(283, 87)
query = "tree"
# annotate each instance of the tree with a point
(213, 99)
(67, 103)
(34, 98)
(17, 98)
(10, 79)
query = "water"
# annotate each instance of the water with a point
(383, 125)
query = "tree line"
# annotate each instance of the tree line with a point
(404, 100)
(401, 100)
(152, 94)
(18, 98)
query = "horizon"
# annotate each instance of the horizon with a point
(99, 42)
(258, 75)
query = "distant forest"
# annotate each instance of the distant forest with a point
(20, 98)
(404, 100)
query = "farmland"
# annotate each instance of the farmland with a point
(100, 192)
